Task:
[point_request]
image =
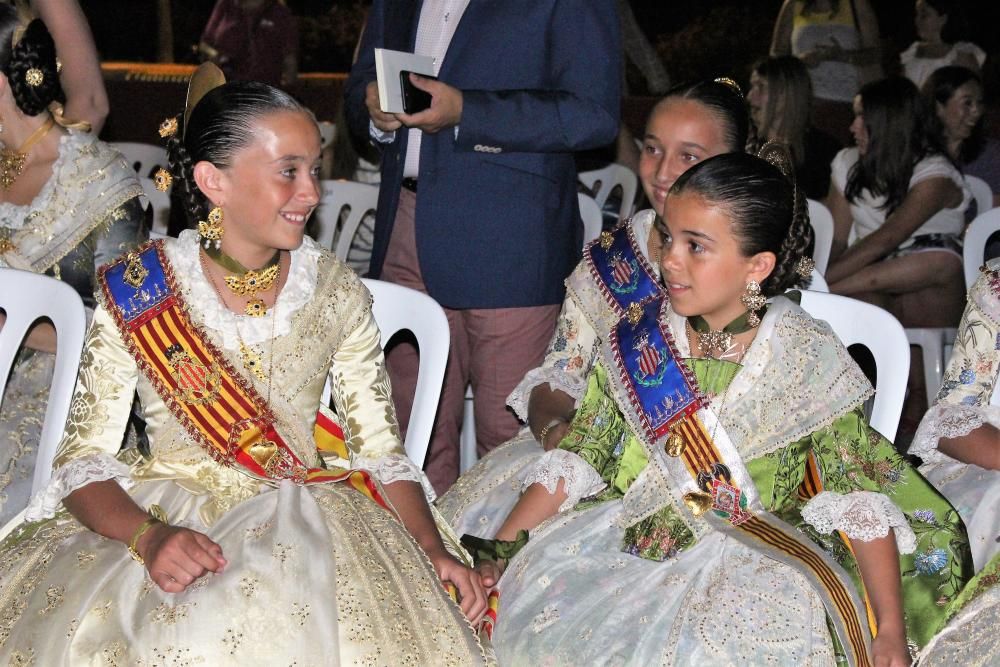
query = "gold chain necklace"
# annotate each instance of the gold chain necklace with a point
(12, 160)
(252, 360)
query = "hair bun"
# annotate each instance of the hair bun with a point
(32, 71)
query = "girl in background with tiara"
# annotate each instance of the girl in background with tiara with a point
(68, 204)
(718, 497)
(257, 527)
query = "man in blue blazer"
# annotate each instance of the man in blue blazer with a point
(478, 204)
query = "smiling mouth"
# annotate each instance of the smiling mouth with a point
(297, 218)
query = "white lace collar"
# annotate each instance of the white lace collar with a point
(201, 296)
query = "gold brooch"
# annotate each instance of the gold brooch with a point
(606, 240)
(168, 127)
(34, 77)
(162, 179)
(135, 273)
(634, 313)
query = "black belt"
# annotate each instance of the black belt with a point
(410, 184)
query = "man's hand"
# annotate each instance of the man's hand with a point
(387, 122)
(445, 110)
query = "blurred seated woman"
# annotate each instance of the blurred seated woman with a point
(68, 203)
(691, 123)
(780, 100)
(956, 95)
(257, 526)
(905, 202)
(940, 28)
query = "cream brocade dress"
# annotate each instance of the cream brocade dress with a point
(317, 575)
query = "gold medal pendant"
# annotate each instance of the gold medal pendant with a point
(256, 308)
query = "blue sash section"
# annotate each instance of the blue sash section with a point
(143, 264)
(620, 268)
(661, 387)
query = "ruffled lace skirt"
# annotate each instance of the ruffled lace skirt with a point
(316, 576)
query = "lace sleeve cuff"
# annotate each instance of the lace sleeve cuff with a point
(861, 515)
(72, 476)
(945, 420)
(573, 385)
(395, 468)
(580, 478)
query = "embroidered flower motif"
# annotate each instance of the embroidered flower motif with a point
(549, 615)
(931, 561)
(967, 376)
(970, 400)
(927, 516)
(544, 581)
(996, 346)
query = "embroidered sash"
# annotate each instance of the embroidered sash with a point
(684, 437)
(620, 268)
(219, 409)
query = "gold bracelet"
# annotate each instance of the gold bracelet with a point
(158, 516)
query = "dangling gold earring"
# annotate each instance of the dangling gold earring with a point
(753, 301)
(212, 230)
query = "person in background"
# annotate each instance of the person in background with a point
(68, 204)
(955, 94)
(252, 40)
(838, 40)
(940, 29)
(905, 201)
(780, 99)
(80, 75)
(478, 204)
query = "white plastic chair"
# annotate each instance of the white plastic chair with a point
(144, 158)
(161, 206)
(603, 181)
(26, 297)
(397, 308)
(590, 213)
(985, 225)
(468, 453)
(818, 282)
(934, 342)
(822, 223)
(360, 198)
(858, 322)
(981, 192)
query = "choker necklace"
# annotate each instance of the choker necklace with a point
(12, 160)
(715, 343)
(248, 282)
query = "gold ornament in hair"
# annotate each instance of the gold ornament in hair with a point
(162, 179)
(34, 77)
(778, 155)
(726, 81)
(804, 267)
(168, 127)
(204, 79)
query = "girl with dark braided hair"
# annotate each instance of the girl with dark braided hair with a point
(68, 203)
(738, 508)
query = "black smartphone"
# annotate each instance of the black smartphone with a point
(414, 99)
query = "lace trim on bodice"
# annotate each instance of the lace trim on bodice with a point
(861, 515)
(296, 293)
(72, 476)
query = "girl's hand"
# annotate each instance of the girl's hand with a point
(489, 572)
(175, 557)
(889, 650)
(472, 595)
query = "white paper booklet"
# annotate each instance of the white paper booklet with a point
(388, 65)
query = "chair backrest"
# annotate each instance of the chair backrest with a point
(817, 282)
(822, 223)
(360, 198)
(857, 322)
(144, 158)
(981, 192)
(161, 205)
(985, 225)
(590, 213)
(603, 181)
(397, 308)
(26, 297)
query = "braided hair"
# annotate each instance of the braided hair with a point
(34, 54)
(222, 123)
(769, 213)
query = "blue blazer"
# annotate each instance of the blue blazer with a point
(497, 221)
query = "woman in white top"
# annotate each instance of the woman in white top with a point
(903, 197)
(938, 24)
